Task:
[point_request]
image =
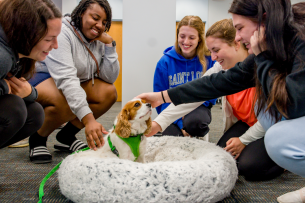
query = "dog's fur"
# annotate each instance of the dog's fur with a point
(134, 119)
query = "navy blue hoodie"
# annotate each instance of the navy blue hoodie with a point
(173, 70)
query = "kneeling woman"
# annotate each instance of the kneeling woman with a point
(80, 90)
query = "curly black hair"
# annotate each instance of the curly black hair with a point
(76, 15)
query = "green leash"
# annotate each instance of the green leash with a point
(41, 194)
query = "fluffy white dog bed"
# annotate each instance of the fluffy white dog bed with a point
(177, 170)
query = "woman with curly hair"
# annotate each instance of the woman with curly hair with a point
(74, 83)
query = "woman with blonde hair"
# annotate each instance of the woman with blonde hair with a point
(243, 135)
(186, 61)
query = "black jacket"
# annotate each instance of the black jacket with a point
(241, 77)
(9, 61)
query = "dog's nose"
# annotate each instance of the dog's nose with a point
(149, 105)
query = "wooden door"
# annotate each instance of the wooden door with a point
(116, 33)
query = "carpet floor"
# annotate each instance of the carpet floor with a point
(20, 179)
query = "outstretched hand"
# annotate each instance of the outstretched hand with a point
(154, 98)
(234, 146)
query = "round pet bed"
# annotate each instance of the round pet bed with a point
(178, 169)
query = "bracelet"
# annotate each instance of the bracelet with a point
(163, 97)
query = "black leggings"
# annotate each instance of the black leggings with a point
(196, 123)
(253, 163)
(18, 119)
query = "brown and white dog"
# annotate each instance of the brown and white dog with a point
(130, 128)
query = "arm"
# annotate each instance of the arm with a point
(5, 66)
(255, 132)
(61, 66)
(236, 79)
(172, 112)
(110, 68)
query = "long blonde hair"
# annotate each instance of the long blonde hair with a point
(201, 49)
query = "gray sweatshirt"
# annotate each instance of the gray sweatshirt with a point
(71, 64)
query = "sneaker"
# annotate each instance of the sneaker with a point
(75, 146)
(297, 196)
(21, 143)
(40, 155)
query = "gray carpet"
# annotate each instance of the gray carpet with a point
(20, 179)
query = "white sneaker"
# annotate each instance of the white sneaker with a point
(21, 143)
(297, 196)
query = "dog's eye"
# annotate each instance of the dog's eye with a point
(137, 104)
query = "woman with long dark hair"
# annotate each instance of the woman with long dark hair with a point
(275, 66)
(22, 43)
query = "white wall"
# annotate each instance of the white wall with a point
(148, 28)
(117, 9)
(218, 10)
(192, 7)
(296, 1)
(68, 6)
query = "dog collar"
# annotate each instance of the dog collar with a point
(133, 142)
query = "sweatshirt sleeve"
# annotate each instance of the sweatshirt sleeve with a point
(255, 132)
(62, 69)
(110, 67)
(172, 112)
(234, 80)
(161, 83)
(5, 67)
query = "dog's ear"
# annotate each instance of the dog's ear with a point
(148, 123)
(123, 127)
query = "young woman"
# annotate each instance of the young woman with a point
(184, 62)
(245, 143)
(275, 66)
(21, 44)
(80, 89)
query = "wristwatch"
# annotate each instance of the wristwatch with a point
(113, 43)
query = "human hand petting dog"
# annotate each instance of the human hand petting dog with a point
(94, 132)
(234, 146)
(155, 98)
(19, 86)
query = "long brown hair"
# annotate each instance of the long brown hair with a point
(277, 17)
(25, 23)
(201, 49)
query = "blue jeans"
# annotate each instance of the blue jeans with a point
(285, 142)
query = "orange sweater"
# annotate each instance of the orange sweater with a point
(241, 103)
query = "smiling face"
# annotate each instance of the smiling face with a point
(222, 52)
(94, 20)
(188, 39)
(48, 42)
(244, 30)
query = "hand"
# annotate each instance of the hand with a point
(154, 98)
(19, 86)
(185, 133)
(258, 38)
(94, 132)
(155, 127)
(105, 38)
(235, 146)
(9, 87)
